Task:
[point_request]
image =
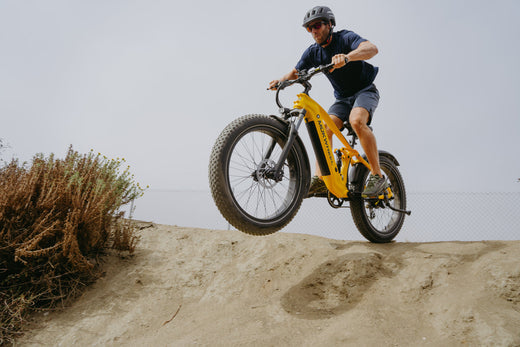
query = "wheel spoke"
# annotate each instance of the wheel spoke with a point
(253, 191)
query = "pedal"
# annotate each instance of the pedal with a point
(387, 193)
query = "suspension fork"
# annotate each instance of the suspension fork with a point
(293, 133)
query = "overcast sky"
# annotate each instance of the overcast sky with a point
(156, 81)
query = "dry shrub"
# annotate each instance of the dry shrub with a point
(56, 218)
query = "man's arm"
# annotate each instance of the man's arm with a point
(364, 51)
(288, 76)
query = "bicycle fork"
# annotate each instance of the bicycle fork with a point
(277, 171)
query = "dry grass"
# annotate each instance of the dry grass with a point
(56, 218)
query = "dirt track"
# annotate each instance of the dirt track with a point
(189, 286)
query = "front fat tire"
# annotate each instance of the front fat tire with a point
(380, 225)
(250, 202)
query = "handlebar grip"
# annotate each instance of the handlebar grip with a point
(276, 86)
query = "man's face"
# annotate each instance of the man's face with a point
(319, 30)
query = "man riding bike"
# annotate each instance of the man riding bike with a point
(352, 79)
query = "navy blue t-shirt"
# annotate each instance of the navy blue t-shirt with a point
(349, 79)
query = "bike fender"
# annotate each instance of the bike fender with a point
(359, 169)
(388, 155)
(299, 140)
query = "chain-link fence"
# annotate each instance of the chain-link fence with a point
(463, 216)
(435, 216)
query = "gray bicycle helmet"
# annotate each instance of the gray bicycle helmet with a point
(319, 12)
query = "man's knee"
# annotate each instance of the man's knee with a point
(359, 117)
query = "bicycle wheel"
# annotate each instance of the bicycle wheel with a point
(241, 182)
(374, 220)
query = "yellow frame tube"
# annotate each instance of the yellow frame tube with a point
(336, 182)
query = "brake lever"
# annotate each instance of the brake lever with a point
(280, 85)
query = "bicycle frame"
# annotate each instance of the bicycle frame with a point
(336, 179)
(260, 172)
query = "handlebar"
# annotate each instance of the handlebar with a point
(303, 78)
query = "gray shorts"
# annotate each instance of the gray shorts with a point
(368, 98)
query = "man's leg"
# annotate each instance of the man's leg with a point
(358, 120)
(376, 184)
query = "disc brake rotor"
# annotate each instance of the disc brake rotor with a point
(262, 173)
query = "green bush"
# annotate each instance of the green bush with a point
(56, 218)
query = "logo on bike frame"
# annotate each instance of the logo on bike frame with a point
(325, 138)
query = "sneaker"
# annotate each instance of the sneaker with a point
(317, 188)
(376, 185)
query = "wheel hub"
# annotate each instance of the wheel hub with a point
(264, 174)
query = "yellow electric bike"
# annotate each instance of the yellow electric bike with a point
(259, 170)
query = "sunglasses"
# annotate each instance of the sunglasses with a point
(316, 26)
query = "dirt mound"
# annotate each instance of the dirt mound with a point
(335, 286)
(191, 286)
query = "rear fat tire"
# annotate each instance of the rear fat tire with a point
(380, 225)
(249, 201)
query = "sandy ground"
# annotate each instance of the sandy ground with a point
(189, 286)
